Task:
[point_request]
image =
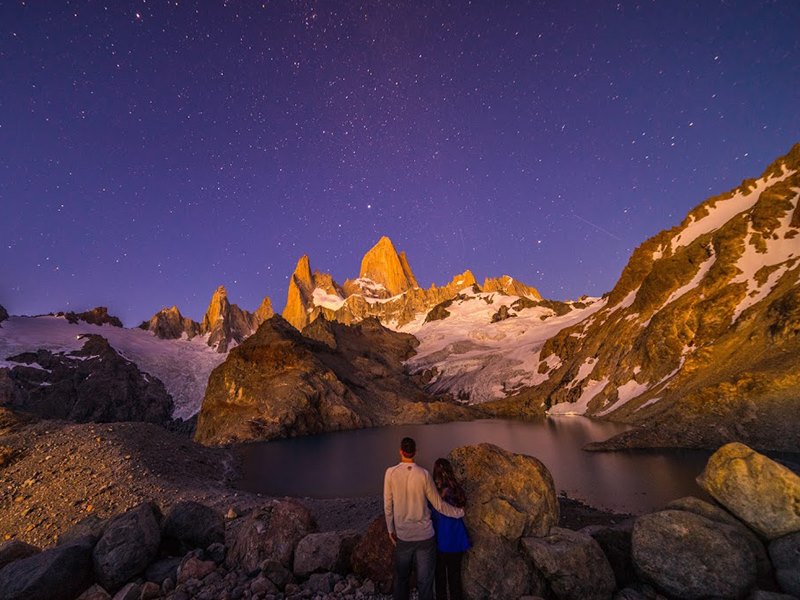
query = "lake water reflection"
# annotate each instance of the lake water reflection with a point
(352, 463)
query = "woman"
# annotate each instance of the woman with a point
(452, 539)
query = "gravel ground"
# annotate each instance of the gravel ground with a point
(54, 474)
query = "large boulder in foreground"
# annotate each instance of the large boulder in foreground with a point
(759, 491)
(13, 550)
(271, 533)
(785, 555)
(690, 557)
(60, 573)
(128, 545)
(572, 564)
(372, 555)
(509, 496)
(189, 525)
(329, 551)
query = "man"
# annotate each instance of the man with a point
(407, 489)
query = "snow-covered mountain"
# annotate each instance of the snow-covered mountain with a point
(182, 365)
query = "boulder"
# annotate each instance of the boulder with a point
(189, 525)
(166, 568)
(91, 526)
(509, 496)
(785, 555)
(690, 557)
(329, 551)
(60, 573)
(194, 568)
(95, 592)
(573, 565)
(128, 545)
(277, 573)
(616, 545)
(320, 583)
(759, 491)
(720, 515)
(372, 555)
(15, 550)
(271, 533)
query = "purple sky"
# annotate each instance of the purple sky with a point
(150, 151)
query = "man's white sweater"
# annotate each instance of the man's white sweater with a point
(407, 489)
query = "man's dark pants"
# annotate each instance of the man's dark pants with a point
(423, 554)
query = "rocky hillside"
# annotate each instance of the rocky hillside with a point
(385, 288)
(698, 341)
(223, 325)
(93, 384)
(281, 383)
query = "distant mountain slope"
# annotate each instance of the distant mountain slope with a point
(699, 338)
(481, 346)
(182, 365)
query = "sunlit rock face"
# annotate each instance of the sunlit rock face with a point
(511, 287)
(699, 338)
(385, 267)
(281, 383)
(170, 324)
(224, 323)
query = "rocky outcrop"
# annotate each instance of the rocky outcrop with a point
(697, 343)
(785, 555)
(170, 324)
(372, 555)
(190, 525)
(385, 267)
(509, 497)
(329, 552)
(225, 323)
(510, 287)
(759, 491)
(281, 383)
(15, 550)
(94, 383)
(97, 316)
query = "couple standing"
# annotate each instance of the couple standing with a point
(408, 492)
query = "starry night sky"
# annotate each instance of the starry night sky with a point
(150, 151)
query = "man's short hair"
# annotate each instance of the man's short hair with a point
(408, 447)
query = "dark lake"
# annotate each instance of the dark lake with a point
(352, 463)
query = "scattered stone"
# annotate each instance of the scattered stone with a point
(95, 592)
(190, 525)
(690, 557)
(131, 591)
(320, 583)
(759, 491)
(60, 573)
(271, 533)
(573, 565)
(277, 573)
(262, 585)
(130, 543)
(161, 570)
(15, 550)
(194, 568)
(217, 552)
(785, 554)
(328, 551)
(372, 555)
(150, 591)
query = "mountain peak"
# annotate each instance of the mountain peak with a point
(383, 265)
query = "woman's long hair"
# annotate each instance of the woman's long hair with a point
(447, 484)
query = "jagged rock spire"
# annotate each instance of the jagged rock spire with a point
(382, 264)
